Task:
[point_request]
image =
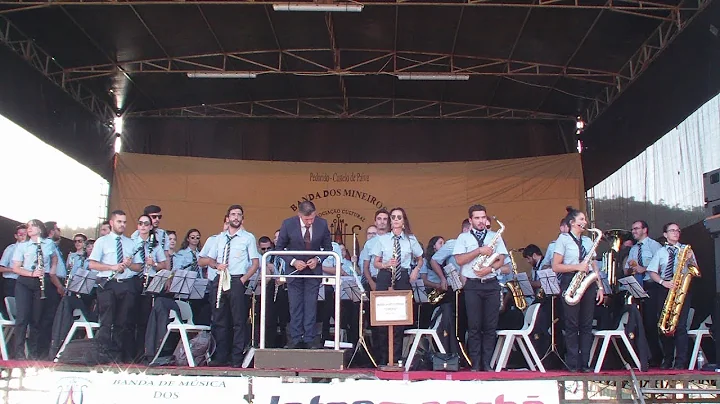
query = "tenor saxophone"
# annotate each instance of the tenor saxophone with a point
(670, 315)
(482, 261)
(514, 287)
(583, 279)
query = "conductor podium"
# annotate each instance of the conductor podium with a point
(318, 359)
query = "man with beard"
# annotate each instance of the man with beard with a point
(235, 258)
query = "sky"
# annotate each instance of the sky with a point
(63, 200)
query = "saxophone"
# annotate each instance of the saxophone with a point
(514, 287)
(582, 280)
(673, 305)
(482, 261)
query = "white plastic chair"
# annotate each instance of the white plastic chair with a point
(697, 335)
(418, 334)
(182, 325)
(11, 308)
(80, 322)
(507, 338)
(5, 338)
(612, 335)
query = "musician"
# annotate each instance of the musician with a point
(209, 246)
(662, 268)
(236, 254)
(278, 309)
(639, 257)
(549, 253)
(310, 233)
(348, 308)
(442, 257)
(509, 318)
(434, 280)
(117, 263)
(370, 271)
(153, 257)
(6, 264)
(83, 262)
(400, 242)
(105, 228)
(570, 252)
(533, 255)
(370, 233)
(34, 280)
(186, 258)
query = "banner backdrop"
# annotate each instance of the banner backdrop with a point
(528, 195)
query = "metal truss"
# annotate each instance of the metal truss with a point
(658, 41)
(650, 9)
(356, 107)
(26, 48)
(326, 62)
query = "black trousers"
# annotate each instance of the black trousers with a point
(578, 326)
(677, 345)
(32, 313)
(229, 322)
(650, 310)
(278, 316)
(482, 302)
(384, 279)
(8, 289)
(348, 320)
(117, 302)
(201, 310)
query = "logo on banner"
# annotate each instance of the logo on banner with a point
(343, 222)
(71, 390)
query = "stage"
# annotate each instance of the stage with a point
(269, 385)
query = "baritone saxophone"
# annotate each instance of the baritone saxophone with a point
(670, 315)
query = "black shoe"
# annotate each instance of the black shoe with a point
(666, 365)
(680, 367)
(217, 364)
(315, 345)
(586, 370)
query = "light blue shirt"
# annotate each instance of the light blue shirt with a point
(76, 262)
(409, 248)
(209, 246)
(467, 242)
(243, 249)
(659, 261)
(547, 259)
(649, 248)
(367, 255)
(26, 254)
(158, 254)
(105, 252)
(566, 247)
(61, 270)
(345, 265)
(183, 259)
(504, 278)
(428, 271)
(161, 235)
(6, 261)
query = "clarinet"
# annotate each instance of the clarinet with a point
(151, 245)
(41, 266)
(114, 273)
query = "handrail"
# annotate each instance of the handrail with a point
(263, 283)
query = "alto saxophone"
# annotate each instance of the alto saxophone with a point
(583, 279)
(670, 315)
(514, 287)
(483, 261)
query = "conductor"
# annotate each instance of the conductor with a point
(306, 232)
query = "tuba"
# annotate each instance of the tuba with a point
(514, 287)
(482, 261)
(582, 280)
(673, 305)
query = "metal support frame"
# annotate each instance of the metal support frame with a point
(264, 279)
(658, 41)
(27, 49)
(358, 107)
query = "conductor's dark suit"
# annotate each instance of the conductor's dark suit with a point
(303, 292)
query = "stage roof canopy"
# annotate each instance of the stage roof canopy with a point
(447, 60)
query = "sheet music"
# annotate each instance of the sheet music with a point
(83, 281)
(549, 281)
(349, 290)
(157, 284)
(525, 285)
(419, 293)
(198, 289)
(631, 284)
(182, 282)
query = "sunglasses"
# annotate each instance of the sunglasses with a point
(155, 216)
(144, 223)
(396, 217)
(194, 237)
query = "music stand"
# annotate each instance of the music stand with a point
(633, 287)
(551, 286)
(350, 290)
(158, 282)
(607, 289)
(198, 289)
(182, 283)
(419, 296)
(525, 285)
(83, 281)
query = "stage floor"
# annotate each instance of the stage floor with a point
(358, 373)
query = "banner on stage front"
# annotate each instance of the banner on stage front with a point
(273, 391)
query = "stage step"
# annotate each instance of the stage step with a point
(321, 359)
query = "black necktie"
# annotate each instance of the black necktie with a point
(226, 253)
(479, 236)
(668, 273)
(640, 259)
(581, 248)
(396, 255)
(306, 237)
(119, 250)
